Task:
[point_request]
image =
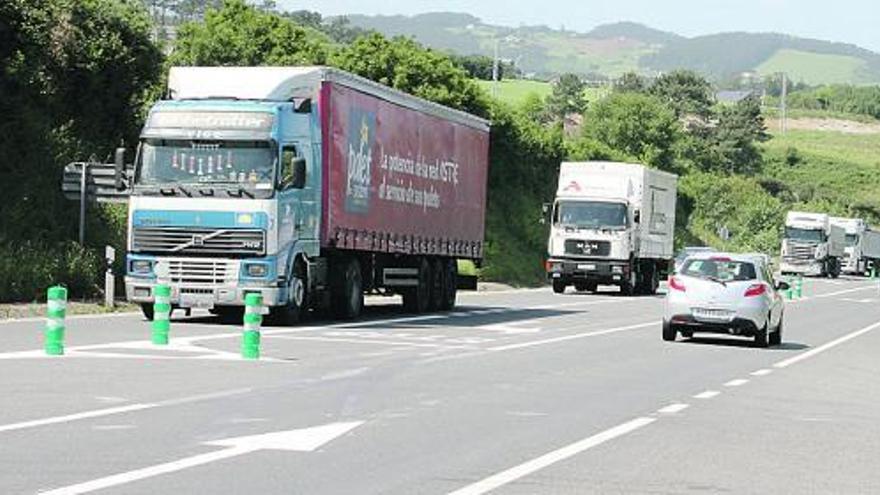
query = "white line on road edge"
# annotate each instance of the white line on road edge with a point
(825, 347)
(500, 479)
(673, 408)
(832, 294)
(90, 316)
(736, 383)
(573, 337)
(75, 417)
(762, 372)
(708, 394)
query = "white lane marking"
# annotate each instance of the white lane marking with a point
(368, 341)
(302, 440)
(832, 294)
(673, 408)
(482, 312)
(762, 372)
(825, 347)
(458, 314)
(510, 329)
(97, 413)
(736, 383)
(113, 427)
(40, 319)
(573, 337)
(708, 394)
(507, 476)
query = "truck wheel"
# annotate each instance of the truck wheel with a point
(668, 332)
(292, 312)
(147, 310)
(415, 300)
(631, 286)
(348, 296)
(558, 286)
(435, 300)
(450, 284)
(835, 268)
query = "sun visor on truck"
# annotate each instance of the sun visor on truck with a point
(178, 124)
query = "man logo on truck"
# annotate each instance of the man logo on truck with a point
(361, 134)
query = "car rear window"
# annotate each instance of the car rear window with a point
(720, 269)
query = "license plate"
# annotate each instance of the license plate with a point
(198, 301)
(586, 267)
(712, 314)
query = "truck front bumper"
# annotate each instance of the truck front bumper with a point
(611, 272)
(140, 291)
(810, 267)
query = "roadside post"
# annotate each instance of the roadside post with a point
(788, 291)
(799, 287)
(161, 314)
(56, 310)
(253, 319)
(109, 280)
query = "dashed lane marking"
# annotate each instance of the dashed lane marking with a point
(708, 394)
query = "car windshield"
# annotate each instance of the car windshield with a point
(591, 214)
(720, 269)
(852, 239)
(166, 161)
(809, 235)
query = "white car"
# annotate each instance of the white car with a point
(725, 293)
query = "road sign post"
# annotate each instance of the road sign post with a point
(56, 311)
(253, 319)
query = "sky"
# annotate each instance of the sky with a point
(849, 21)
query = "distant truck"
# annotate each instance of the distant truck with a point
(611, 223)
(812, 245)
(862, 245)
(308, 185)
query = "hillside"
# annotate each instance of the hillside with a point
(612, 49)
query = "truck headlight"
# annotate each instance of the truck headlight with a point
(256, 270)
(142, 267)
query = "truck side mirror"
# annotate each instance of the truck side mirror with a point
(298, 181)
(545, 210)
(119, 169)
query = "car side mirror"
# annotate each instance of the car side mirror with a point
(298, 181)
(781, 286)
(119, 169)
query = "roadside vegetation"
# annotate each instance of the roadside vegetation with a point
(80, 91)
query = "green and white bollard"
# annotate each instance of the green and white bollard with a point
(790, 289)
(161, 314)
(253, 319)
(799, 287)
(56, 310)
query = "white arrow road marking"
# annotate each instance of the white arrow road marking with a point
(302, 440)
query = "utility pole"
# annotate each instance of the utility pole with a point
(783, 108)
(495, 71)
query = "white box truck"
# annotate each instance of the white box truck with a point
(812, 245)
(611, 224)
(854, 262)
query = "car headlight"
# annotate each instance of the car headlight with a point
(256, 270)
(141, 266)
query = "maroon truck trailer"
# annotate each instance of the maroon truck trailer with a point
(357, 188)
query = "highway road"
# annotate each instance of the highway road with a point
(515, 392)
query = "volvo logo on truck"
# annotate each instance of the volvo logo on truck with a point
(360, 155)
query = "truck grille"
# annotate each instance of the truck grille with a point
(202, 271)
(225, 242)
(579, 247)
(803, 252)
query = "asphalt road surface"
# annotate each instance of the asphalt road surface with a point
(517, 392)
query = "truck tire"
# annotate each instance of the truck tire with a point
(292, 312)
(630, 287)
(450, 284)
(435, 299)
(348, 292)
(416, 299)
(558, 286)
(147, 310)
(835, 268)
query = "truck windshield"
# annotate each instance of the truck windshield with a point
(591, 214)
(242, 163)
(852, 239)
(807, 235)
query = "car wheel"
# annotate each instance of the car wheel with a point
(761, 337)
(147, 310)
(558, 286)
(776, 337)
(668, 332)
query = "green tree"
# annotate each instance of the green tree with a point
(631, 126)
(567, 96)
(686, 92)
(740, 127)
(240, 34)
(631, 82)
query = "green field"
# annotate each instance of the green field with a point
(816, 69)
